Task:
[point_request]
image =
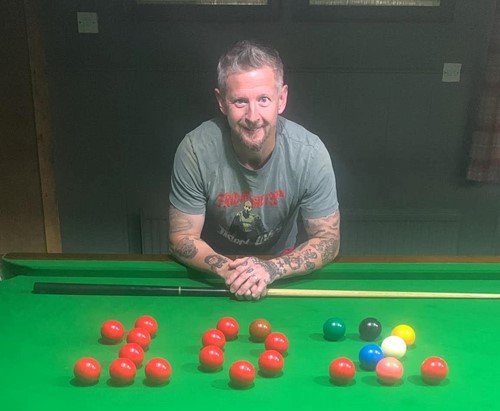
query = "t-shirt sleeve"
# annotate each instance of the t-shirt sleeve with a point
(186, 192)
(320, 198)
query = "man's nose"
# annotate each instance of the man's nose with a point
(252, 113)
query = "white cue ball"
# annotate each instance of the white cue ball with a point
(393, 346)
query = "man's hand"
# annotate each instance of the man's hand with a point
(250, 276)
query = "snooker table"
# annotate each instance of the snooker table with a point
(43, 335)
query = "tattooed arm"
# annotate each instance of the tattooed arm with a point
(249, 277)
(187, 246)
(252, 275)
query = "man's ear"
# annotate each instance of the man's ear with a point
(283, 99)
(221, 101)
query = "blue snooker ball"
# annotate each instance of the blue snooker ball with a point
(369, 356)
(334, 329)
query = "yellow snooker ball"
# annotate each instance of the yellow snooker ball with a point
(405, 332)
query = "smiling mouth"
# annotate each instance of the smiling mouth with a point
(252, 129)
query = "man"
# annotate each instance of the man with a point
(240, 183)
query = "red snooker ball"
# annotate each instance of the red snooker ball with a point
(134, 352)
(87, 370)
(229, 327)
(389, 370)
(158, 371)
(276, 341)
(211, 358)
(242, 374)
(271, 363)
(342, 371)
(122, 371)
(148, 323)
(213, 337)
(434, 370)
(112, 331)
(139, 336)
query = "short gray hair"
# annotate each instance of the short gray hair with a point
(246, 55)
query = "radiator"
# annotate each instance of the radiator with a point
(154, 235)
(400, 232)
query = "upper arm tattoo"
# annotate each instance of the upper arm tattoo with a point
(178, 221)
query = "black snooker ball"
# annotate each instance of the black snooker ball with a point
(369, 329)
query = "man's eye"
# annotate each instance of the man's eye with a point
(264, 101)
(240, 103)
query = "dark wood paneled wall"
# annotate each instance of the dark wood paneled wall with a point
(22, 224)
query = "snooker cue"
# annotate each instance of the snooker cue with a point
(156, 290)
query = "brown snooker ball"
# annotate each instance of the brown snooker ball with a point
(259, 329)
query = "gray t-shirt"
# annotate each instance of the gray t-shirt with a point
(252, 212)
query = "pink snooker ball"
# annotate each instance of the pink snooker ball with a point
(389, 370)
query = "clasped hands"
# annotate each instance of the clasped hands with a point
(248, 278)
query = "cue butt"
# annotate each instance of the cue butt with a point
(116, 289)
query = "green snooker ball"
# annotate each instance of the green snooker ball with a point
(334, 329)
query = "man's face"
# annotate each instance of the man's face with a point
(252, 104)
(247, 208)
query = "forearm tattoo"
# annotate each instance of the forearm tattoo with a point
(272, 269)
(215, 262)
(329, 229)
(304, 261)
(327, 249)
(185, 249)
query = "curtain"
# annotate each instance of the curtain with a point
(484, 163)
(375, 3)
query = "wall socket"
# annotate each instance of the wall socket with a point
(451, 72)
(87, 22)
